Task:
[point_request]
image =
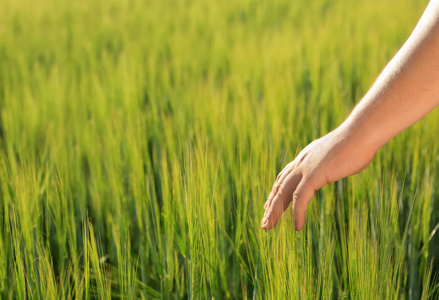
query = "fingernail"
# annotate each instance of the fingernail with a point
(264, 222)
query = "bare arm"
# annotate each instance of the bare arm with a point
(406, 90)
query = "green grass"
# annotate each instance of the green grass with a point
(139, 141)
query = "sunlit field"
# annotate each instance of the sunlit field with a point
(139, 141)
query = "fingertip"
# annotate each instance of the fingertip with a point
(298, 226)
(269, 217)
(299, 221)
(264, 222)
(271, 223)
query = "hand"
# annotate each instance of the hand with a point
(406, 90)
(330, 158)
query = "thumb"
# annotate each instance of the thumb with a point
(301, 197)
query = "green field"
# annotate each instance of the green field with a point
(139, 141)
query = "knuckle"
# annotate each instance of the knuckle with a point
(297, 197)
(281, 190)
(280, 194)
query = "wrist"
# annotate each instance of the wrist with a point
(357, 135)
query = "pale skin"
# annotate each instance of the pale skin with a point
(406, 90)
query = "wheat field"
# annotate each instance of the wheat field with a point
(139, 140)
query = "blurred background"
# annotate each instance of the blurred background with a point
(139, 140)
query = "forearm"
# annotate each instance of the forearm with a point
(406, 90)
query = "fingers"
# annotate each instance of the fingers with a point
(280, 178)
(301, 197)
(281, 200)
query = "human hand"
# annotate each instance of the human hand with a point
(330, 158)
(406, 90)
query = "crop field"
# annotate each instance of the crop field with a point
(139, 140)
